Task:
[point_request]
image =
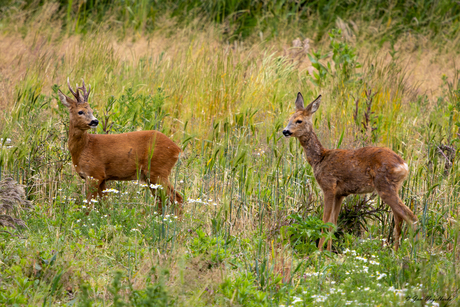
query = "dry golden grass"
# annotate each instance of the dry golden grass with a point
(49, 56)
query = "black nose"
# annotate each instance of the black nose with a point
(287, 132)
(94, 123)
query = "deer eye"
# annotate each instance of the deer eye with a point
(80, 112)
(298, 122)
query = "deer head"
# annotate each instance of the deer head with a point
(81, 115)
(300, 122)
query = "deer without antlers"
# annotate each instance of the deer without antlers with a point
(341, 172)
(146, 155)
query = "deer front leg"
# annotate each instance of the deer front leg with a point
(95, 187)
(335, 214)
(327, 211)
(102, 187)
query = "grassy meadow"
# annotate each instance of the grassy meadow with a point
(220, 78)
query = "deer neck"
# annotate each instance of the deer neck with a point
(313, 148)
(78, 139)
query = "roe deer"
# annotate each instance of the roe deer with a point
(146, 155)
(341, 172)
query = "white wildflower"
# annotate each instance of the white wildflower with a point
(156, 186)
(111, 191)
(361, 258)
(381, 276)
(319, 298)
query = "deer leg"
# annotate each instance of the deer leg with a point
(174, 197)
(93, 188)
(335, 214)
(102, 187)
(397, 230)
(328, 206)
(155, 194)
(172, 194)
(400, 212)
(336, 209)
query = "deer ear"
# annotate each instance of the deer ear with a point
(65, 100)
(299, 102)
(312, 107)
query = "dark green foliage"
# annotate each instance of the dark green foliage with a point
(131, 112)
(115, 290)
(304, 233)
(344, 56)
(215, 248)
(244, 291)
(85, 300)
(243, 18)
(154, 295)
(319, 76)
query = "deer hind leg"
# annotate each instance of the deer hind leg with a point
(169, 189)
(328, 208)
(397, 230)
(400, 211)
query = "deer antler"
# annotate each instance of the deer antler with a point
(83, 89)
(80, 98)
(77, 94)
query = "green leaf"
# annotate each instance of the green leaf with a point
(341, 139)
(37, 267)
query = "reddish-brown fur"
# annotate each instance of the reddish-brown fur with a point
(341, 172)
(146, 155)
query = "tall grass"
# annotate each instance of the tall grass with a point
(225, 105)
(437, 20)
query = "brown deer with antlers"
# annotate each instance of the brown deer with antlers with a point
(341, 172)
(98, 158)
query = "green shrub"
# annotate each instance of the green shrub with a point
(304, 233)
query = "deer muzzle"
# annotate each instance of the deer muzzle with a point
(94, 123)
(287, 133)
